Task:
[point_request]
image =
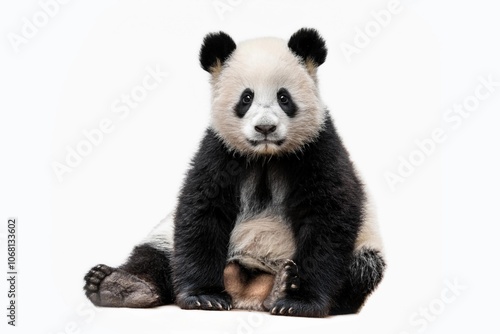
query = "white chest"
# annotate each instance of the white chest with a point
(261, 237)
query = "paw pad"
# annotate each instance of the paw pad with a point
(93, 280)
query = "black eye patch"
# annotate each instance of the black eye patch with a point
(286, 103)
(244, 103)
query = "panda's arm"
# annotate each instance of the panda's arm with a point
(325, 210)
(205, 215)
(325, 242)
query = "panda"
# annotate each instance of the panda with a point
(272, 215)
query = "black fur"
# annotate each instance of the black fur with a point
(262, 196)
(290, 108)
(325, 205)
(216, 47)
(308, 45)
(324, 208)
(143, 281)
(206, 213)
(154, 266)
(242, 106)
(365, 273)
(286, 281)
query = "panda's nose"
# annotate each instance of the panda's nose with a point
(265, 129)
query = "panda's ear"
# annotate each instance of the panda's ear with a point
(309, 46)
(215, 50)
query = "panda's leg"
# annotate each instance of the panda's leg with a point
(253, 289)
(143, 281)
(365, 273)
(247, 287)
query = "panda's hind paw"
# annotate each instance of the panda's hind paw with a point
(289, 276)
(110, 287)
(286, 280)
(93, 281)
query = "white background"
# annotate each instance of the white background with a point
(439, 226)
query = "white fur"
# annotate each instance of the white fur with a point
(261, 243)
(369, 235)
(265, 114)
(265, 65)
(262, 238)
(162, 235)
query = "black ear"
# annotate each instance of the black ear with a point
(215, 50)
(308, 45)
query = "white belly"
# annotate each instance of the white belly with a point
(262, 243)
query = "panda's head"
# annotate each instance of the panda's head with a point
(265, 98)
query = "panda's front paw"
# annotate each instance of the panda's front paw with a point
(298, 307)
(214, 301)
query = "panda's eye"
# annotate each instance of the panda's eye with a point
(286, 102)
(244, 103)
(283, 99)
(247, 98)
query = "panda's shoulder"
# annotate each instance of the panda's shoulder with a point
(212, 153)
(328, 147)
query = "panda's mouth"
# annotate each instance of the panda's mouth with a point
(266, 142)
